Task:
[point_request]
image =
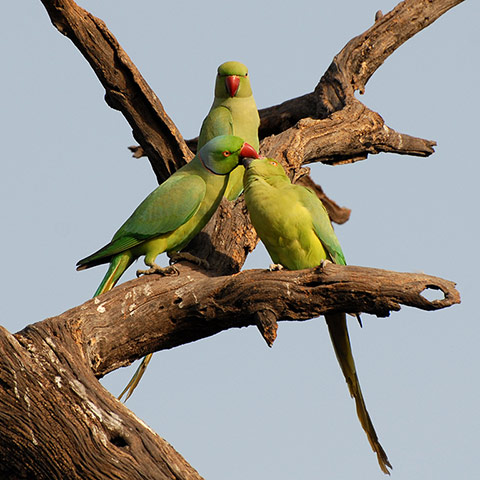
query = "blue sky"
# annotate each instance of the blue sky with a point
(234, 408)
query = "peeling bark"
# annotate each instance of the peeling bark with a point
(148, 315)
(56, 420)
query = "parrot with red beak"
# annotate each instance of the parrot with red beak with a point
(233, 112)
(170, 217)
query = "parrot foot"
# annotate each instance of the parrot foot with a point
(179, 256)
(170, 270)
(323, 264)
(274, 267)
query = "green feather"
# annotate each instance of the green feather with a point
(219, 121)
(237, 115)
(176, 210)
(171, 215)
(294, 225)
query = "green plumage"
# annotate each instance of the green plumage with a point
(171, 215)
(294, 226)
(235, 114)
(160, 214)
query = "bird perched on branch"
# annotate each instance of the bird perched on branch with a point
(170, 217)
(294, 226)
(233, 112)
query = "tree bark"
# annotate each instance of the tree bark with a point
(147, 315)
(56, 420)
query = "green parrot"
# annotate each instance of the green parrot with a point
(233, 112)
(294, 226)
(170, 217)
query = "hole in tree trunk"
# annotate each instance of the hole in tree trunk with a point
(119, 440)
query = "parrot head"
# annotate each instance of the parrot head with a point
(232, 81)
(222, 154)
(263, 167)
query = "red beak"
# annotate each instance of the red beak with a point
(248, 151)
(232, 82)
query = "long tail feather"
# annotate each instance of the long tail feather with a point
(337, 327)
(137, 376)
(117, 266)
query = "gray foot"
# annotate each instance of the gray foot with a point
(170, 270)
(179, 256)
(275, 267)
(323, 264)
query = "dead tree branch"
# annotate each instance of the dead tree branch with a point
(147, 315)
(125, 88)
(350, 70)
(56, 420)
(50, 396)
(353, 66)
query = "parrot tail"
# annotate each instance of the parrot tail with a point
(137, 376)
(118, 265)
(337, 327)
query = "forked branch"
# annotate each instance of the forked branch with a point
(56, 420)
(342, 130)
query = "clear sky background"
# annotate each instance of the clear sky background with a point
(234, 408)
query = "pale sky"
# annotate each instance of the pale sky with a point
(234, 408)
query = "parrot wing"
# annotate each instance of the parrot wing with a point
(168, 207)
(337, 325)
(322, 225)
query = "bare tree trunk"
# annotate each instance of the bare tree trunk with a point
(56, 420)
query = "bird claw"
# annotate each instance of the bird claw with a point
(275, 267)
(323, 264)
(179, 256)
(155, 269)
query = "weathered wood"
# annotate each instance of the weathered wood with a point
(363, 55)
(125, 88)
(56, 420)
(345, 136)
(267, 325)
(157, 313)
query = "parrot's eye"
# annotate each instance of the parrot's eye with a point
(273, 163)
(226, 153)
